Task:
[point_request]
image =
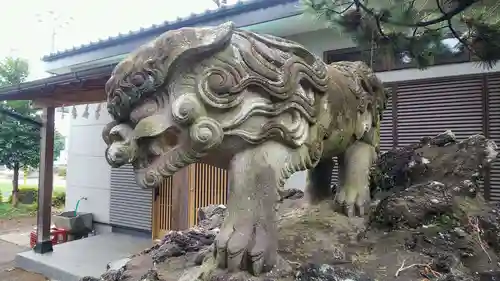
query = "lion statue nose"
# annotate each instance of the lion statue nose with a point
(118, 154)
(122, 147)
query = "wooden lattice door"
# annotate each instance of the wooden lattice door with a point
(162, 209)
(208, 185)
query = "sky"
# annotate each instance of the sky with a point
(27, 26)
(30, 23)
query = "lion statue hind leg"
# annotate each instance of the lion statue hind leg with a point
(319, 181)
(354, 172)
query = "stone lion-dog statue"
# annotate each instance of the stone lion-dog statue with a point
(261, 107)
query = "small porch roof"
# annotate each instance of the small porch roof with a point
(80, 87)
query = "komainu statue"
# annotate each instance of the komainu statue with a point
(261, 107)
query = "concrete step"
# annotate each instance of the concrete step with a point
(90, 256)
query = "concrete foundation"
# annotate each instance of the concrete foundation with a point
(73, 260)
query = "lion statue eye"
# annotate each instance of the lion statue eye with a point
(137, 79)
(148, 108)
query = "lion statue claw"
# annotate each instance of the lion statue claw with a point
(261, 107)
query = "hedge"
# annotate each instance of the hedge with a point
(29, 195)
(26, 195)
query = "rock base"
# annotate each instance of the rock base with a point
(429, 222)
(322, 245)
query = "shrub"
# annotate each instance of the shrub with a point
(26, 195)
(59, 199)
(32, 208)
(1, 197)
(61, 172)
(29, 195)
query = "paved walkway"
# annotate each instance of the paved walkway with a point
(10, 230)
(8, 252)
(21, 239)
(8, 272)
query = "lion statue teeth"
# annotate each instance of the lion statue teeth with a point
(261, 107)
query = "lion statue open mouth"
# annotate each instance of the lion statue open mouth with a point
(260, 106)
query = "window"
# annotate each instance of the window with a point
(380, 64)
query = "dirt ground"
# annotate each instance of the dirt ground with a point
(14, 274)
(17, 224)
(8, 251)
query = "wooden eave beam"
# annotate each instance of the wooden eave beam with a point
(60, 99)
(66, 94)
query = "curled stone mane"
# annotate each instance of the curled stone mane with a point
(220, 82)
(364, 84)
(147, 69)
(259, 77)
(283, 73)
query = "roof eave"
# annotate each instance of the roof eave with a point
(155, 29)
(43, 88)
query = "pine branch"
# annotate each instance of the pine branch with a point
(400, 29)
(442, 18)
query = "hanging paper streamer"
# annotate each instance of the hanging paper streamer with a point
(98, 111)
(86, 112)
(73, 112)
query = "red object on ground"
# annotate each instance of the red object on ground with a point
(57, 236)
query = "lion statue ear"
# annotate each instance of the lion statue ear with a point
(186, 43)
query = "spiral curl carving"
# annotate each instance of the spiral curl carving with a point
(215, 87)
(272, 66)
(206, 133)
(146, 70)
(286, 76)
(186, 109)
(150, 178)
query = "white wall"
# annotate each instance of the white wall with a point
(88, 173)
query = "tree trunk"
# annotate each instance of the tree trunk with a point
(15, 185)
(25, 175)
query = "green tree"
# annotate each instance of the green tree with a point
(415, 29)
(19, 140)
